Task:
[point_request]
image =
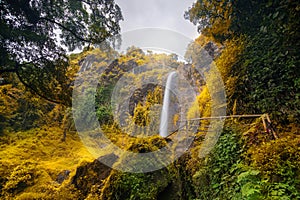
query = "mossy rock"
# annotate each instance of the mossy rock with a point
(164, 183)
(89, 175)
(141, 145)
(142, 186)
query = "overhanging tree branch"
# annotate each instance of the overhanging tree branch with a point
(33, 89)
(67, 29)
(27, 35)
(7, 71)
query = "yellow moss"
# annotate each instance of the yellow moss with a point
(270, 157)
(31, 196)
(48, 156)
(202, 106)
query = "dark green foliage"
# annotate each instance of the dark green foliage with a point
(160, 184)
(264, 78)
(237, 169)
(216, 177)
(269, 67)
(103, 104)
(272, 57)
(136, 186)
(29, 45)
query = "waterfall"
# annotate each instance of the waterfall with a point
(164, 119)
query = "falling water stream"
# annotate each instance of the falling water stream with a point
(164, 122)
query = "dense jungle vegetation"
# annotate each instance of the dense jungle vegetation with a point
(255, 46)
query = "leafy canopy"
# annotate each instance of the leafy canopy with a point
(259, 53)
(34, 35)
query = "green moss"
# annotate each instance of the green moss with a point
(136, 186)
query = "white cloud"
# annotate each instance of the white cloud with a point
(157, 13)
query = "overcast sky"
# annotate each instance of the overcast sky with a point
(157, 13)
